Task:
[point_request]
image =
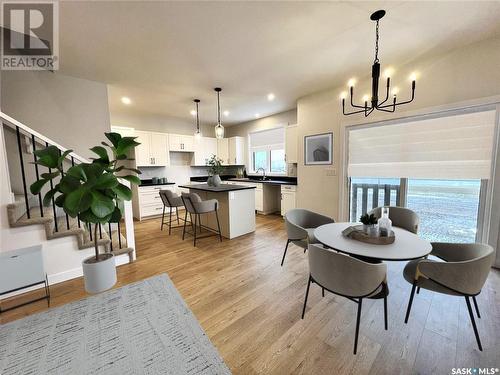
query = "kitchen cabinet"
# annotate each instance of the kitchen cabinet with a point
(291, 144)
(236, 151)
(153, 149)
(181, 143)
(267, 196)
(288, 198)
(223, 150)
(204, 148)
(147, 202)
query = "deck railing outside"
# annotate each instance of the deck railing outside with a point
(365, 197)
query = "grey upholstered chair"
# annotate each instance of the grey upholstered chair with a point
(171, 201)
(300, 225)
(401, 217)
(462, 272)
(197, 207)
(347, 277)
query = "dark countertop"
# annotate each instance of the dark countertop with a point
(150, 183)
(223, 177)
(217, 189)
(268, 180)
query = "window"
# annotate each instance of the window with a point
(267, 151)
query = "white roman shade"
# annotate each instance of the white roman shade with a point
(266, 138)
(451, 147)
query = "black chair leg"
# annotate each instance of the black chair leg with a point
(385, 312)
(322, 292)
(218, 225)
(177, 214)
(471, 314)
(194, 233)
(284, 254)
(357, 325)
(418, 290)
(307, 294)
(476, 307)
(184, 227)
(411, 301)
(163, 218)
(170, 221)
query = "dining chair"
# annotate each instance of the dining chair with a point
(462, 270)
(348, 277)
(400, 216)
(171, 201)
(197, 207)
(300, 225)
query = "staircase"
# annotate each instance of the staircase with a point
(27, 209)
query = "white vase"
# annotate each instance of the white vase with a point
(99, 275)
(216, 181)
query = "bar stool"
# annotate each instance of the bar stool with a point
(196, 206)
(171, 201)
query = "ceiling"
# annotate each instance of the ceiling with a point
(164, 54)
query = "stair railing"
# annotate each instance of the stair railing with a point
(72, 159)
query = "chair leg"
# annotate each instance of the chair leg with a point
(177, 214)
(358, 318)
(170, 221)
(411, 301)
(184, 227)
(307, 294)
(322, 292)
(385, 312)
(284, 254)
(194, 233)
(476, 307)
(471, 314)
(163, 218)
(218, 225)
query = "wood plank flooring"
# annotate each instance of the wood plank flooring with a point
(250, 308)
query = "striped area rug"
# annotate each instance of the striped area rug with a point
(141, 328)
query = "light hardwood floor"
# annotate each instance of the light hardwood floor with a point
(250, 308)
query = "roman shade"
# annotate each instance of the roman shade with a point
(452, 147)
(266, 138)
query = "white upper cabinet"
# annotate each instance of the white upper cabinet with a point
(153, 149)
(291, 144)
(204, 148)
(223, 150)
(181, 143)
(236, 151)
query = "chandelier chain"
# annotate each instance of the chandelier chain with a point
(376, 43)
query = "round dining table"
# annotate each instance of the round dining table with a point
(406, 246)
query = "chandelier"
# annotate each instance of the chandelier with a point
(197, 134)
(371, 104)
(219, 129)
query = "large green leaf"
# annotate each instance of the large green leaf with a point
(37, 186)
(50, 176)
(77, 201)
(77, 172)
(69, 183)
(106, 181)
(123, 192)
(133, 179)
(101, 151)
(114, 138)
(101, 205)
(60, 200)
(92, 170)
(89, 217)
(116, 216)
(48, 197)
(125, 144)
(48, 157)
(63, 156)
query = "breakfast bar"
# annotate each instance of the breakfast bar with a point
(236, 207)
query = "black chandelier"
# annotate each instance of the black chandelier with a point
(375, 104)
(197, 134)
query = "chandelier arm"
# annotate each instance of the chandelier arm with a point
(353, 113)
(399, 103)
(385, 110)
(370, 111)
(387, 93)
(354, 105)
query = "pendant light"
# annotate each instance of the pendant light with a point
(372, 103)
(219, 129)
(197, 134)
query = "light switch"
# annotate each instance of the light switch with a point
(330, 172)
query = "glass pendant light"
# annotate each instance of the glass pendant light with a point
(219, 129)
(197, 134)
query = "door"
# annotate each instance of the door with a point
(187, 143)
(159, 149)
(259, 199)
(143, 151)
(223, 150)
(287, 202)
(236, 151)
(174, 142)
(291, 144)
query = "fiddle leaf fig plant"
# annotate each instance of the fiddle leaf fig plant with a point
(368, 219)
(92, 191)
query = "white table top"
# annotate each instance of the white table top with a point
(407, 245)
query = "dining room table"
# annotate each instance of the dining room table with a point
(406, 245)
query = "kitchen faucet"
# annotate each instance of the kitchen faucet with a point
(263, 172)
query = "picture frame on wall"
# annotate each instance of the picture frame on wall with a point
(318, 149)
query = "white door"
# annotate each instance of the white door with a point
(259, 199)
(236, 151)
(174, 142)
(223, 150)
(159, 149)
(187, 143)
(143, 151)
(291, 144)
(287, 202)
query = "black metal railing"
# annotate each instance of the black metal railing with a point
(371, 196)
(33, 142)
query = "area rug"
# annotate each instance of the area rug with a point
(141, 328)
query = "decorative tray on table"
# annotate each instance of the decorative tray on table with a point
(357, 232)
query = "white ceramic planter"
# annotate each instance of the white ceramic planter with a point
(99, 276)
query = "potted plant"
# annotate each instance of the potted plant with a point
(93, 193)
(369, 224)
(214, 171)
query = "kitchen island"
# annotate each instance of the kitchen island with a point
(236, 207)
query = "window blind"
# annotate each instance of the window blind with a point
(451, 147)
(267, 138)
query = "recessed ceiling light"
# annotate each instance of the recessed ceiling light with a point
(192, 112)
(270, 97)
(226, 113)
(257, 115)
(126, 100)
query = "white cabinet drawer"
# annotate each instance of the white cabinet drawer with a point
(285, 188)
(151, 210)
(150, 198)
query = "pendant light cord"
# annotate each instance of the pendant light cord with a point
(197, 118)
(376, 43)
(218, 108)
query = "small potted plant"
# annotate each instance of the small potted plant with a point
(214, 171)
(93, 193)
(369, 224)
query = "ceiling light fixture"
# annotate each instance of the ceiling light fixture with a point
(219, 129)
(226, 113)
(197, 134)
(257, 115)
(192, 112)
(126, 100)
(374, 102)
(270, 97)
